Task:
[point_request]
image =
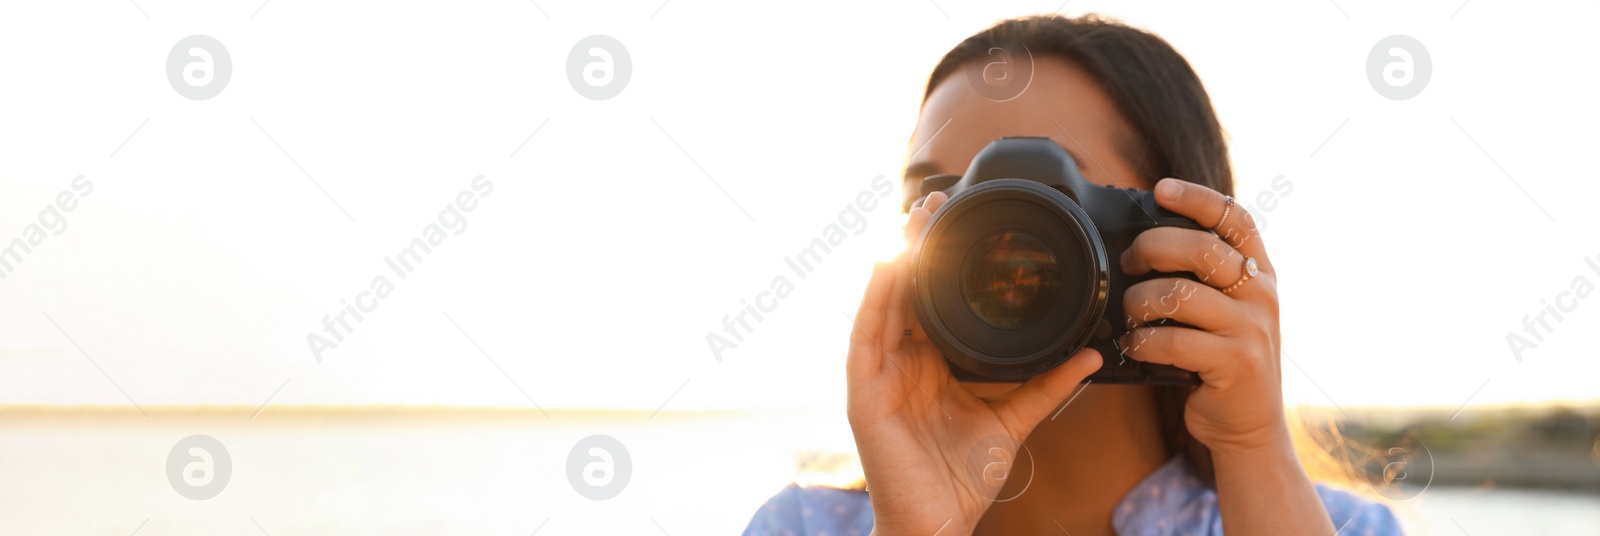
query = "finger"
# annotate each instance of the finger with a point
(865, 357)
(935, 200)
(1186, 348)
(1184, 301)
(1206, 206)
(1021, 409)
(901, 318)
(916, 223)
(916, 220)
(1175, 249)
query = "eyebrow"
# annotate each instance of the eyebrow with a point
(921, 170)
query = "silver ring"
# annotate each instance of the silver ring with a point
(1226, 210)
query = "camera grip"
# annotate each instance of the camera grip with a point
(1118, 367)
(1125, 214)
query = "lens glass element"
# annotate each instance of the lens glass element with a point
(1010, 279)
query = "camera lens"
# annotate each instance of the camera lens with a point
(1010, 279)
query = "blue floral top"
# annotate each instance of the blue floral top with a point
(1169, 501)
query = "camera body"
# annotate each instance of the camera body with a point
(1020, 269)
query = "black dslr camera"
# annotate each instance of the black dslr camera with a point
(1019, 269)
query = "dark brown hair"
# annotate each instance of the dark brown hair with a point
(1175, 131)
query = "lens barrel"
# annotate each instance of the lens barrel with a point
(1011, 277)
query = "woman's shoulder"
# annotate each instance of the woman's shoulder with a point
(810, 510)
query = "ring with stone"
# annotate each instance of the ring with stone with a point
(1248, 271)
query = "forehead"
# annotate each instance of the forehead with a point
(1062, 102)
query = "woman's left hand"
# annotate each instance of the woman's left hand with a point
(1233, 344)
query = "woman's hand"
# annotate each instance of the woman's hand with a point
(1237, 410)
(926, 442)
(1234, 342)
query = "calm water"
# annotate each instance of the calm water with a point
(1501, 511)
(300, 473)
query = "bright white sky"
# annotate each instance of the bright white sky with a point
(196, 267)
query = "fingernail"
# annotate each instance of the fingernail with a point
(1169, 189)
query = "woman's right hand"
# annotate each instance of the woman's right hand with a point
(925, 441)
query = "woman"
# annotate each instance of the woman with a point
(1117, 459)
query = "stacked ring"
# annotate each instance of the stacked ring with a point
(1226, 209)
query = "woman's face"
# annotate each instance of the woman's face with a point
(1062, 102)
